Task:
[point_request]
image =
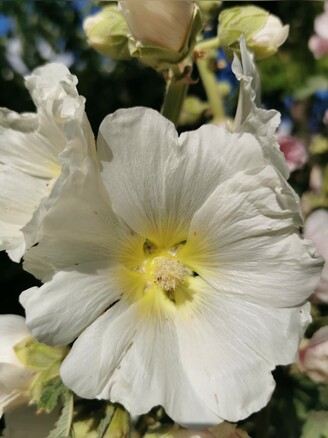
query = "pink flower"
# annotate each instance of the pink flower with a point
(313, 358)
(316, 229)
(294, 151)
(318, 44)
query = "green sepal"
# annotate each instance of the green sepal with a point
(37, 356)
(45, 361)
(118, 424)
(52, 391)
(247, 21)
(193, 109)
(234, 22)
(161, 58)
(109, 35)
(105, 422)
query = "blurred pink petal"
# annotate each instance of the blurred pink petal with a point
(294, 151)
(321, 23)
(316, 229)
(313, 358)
(318, 46)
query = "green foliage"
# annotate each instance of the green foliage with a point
(63, 427)
(51, 395)
(105, 422)
(316, 425)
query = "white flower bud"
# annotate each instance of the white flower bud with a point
(165, 23)
(274, 33)
(264, 33)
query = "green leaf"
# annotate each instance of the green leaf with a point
(63, 427)
(51, 393)
(105, 422)
(316, 425)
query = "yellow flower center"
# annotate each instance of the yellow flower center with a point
(161, 270)
(168, 273)
(158, 274)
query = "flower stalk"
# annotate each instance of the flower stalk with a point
(175, 94)
(213, 95)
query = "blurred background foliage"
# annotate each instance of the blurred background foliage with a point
(33, 33)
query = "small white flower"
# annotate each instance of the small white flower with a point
(165, 23)
(179, 269)
(15, 378)
(30, 149)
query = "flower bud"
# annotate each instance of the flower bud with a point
(107, 32)
(163, 23)
(313, 358)
(264, 32)
(159, 33)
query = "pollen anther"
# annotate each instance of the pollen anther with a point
(169, 273)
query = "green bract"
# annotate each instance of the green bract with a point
(108, 32)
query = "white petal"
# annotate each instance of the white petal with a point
(250, 117)
(30, 143)
(12, 331)
(58, 311)
(244, 240)
(228, 348)
(33, 143)
(79, 225)
(14, 378)
(14, 385)
(11, 400)
(156, 180)
(20, 196)
(135, 361)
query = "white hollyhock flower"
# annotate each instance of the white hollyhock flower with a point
(30, 148)
(15, 378)
(180, 269)
(165, 23)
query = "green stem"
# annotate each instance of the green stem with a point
(211, 88)
(211, 43)
(173, 101)
(325, 182)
